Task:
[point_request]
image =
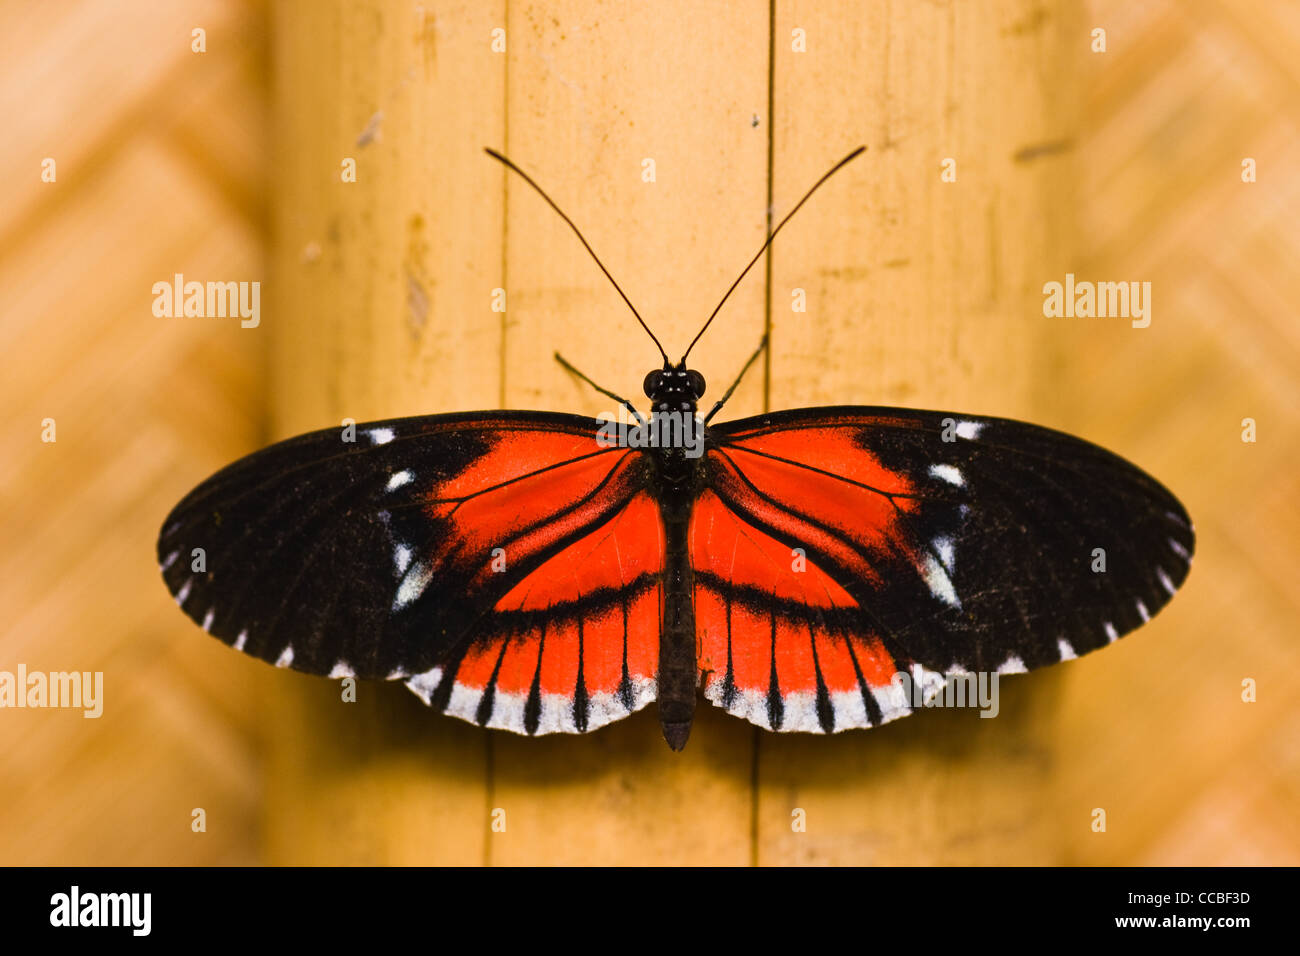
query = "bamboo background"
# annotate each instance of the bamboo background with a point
(377, 301)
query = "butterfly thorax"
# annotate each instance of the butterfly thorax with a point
(674, 394)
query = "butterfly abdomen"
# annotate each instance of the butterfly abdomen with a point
(678, 669)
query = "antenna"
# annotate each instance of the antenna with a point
(831, 172)
(541, 192)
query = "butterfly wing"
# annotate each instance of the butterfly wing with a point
(504, 564)
(837, 547)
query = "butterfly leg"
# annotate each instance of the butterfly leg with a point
(604, 391)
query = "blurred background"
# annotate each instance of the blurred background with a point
(223, 163)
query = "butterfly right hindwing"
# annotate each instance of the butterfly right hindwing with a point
(879, 540)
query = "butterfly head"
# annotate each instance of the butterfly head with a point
(674, 388)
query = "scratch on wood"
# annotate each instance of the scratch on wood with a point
(1031, 23)
(1028, 154)
(851, 273)
(995, 263)
(371, 132)
(417, 295)
(417, 305)
(426, 35)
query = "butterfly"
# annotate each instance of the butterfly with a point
(541, 572)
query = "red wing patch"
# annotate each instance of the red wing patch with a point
(794, 483)
(780, 643)
(574, 644)
(530, 491)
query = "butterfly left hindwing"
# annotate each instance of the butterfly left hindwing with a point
(466, 553)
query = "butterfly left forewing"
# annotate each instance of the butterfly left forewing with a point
(465, 553)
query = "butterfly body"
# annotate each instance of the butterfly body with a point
(679, 478)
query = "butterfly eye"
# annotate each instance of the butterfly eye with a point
(697, 382)
(650, 384)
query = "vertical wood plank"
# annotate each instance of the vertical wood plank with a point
(920, 293)
(381, 307)
(594, 90)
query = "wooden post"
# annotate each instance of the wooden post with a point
(383, 307)
(653, 129)
(666, 175)
(925, 292)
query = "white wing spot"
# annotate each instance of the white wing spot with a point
(380, 436)
(413, 584)
(946, 552)
(399, 479)
(424, 685)
(1112, 635)
(1013, 665)
(401, 558)
(207, 619)
(937, 580)
(948, 473)
(1142, 609)
(341, 669)
(286, 657)
(1067, 652)
(183, 593)
(1165, 581)
(169, 560)
(1177, 548)
(241, 640)
(969, 430)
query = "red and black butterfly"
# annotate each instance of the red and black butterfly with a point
(539, 573)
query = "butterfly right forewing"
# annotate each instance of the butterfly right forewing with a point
(879, 540)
